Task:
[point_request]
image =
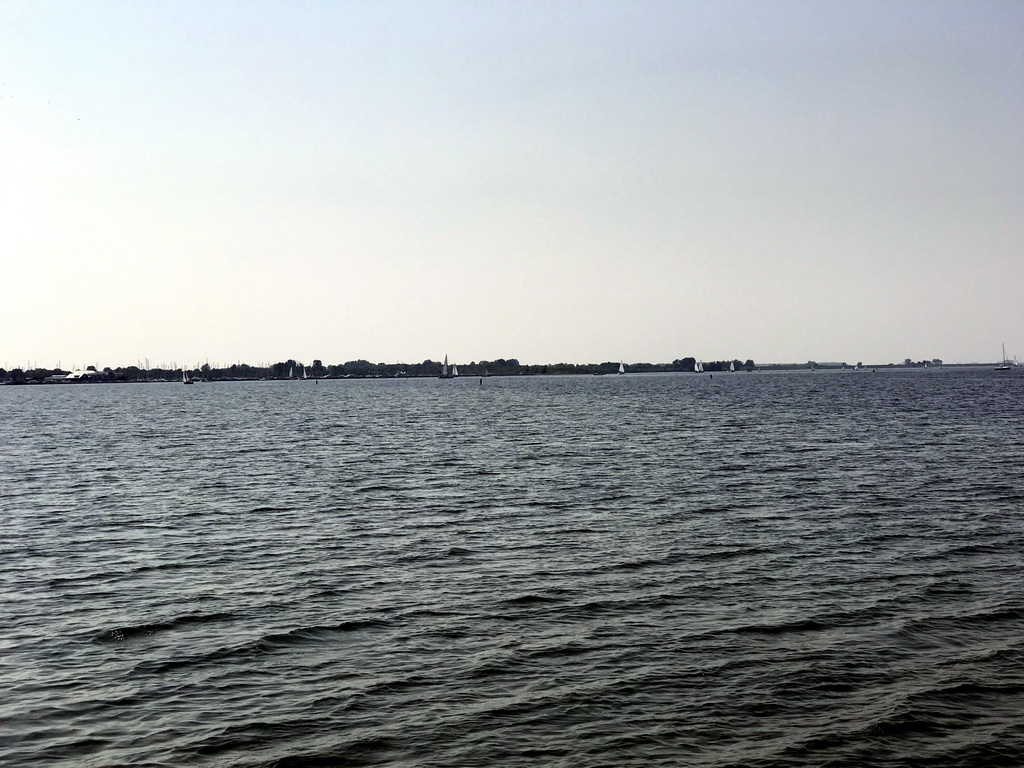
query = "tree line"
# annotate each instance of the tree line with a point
(362, 369)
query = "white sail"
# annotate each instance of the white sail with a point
(622, 368)
(1004, 365)
(732, 366)
(448, 372)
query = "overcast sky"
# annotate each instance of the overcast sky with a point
(551, 181)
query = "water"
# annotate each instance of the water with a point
(797, 569)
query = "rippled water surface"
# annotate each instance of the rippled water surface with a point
(798, 569)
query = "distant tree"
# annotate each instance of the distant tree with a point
(358, 367)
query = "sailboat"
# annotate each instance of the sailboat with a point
(622, 368)
(291, 372)
(304, 373)
(1005, 364)
(445, 372)
(732, 366)
(185, 378)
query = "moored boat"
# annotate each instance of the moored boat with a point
(1005, 365)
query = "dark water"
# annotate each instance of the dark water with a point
(800, 569)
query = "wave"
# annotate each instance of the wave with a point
(960, 550)
(962, 620)
(245, 736)
(133, 631)
(945, 588)
(799, 625)
(624, 605)
(360, 752)
(435, 556)
(729, 553)
(881, 609)
(397, 685)
(531, 600)
(306, 635)
(267, 644)
(560, 651)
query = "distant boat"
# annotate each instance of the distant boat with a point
(304, 373)
(700, 367)
(185, 378)
(1005, 364)
(732, 366)
(622, 368)
(447, 373)
(291, 372)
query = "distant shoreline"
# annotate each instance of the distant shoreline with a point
(361, 369)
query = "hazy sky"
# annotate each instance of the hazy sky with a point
(551, 181)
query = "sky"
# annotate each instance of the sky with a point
(554, 181)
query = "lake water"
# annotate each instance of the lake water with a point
(792, 569)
